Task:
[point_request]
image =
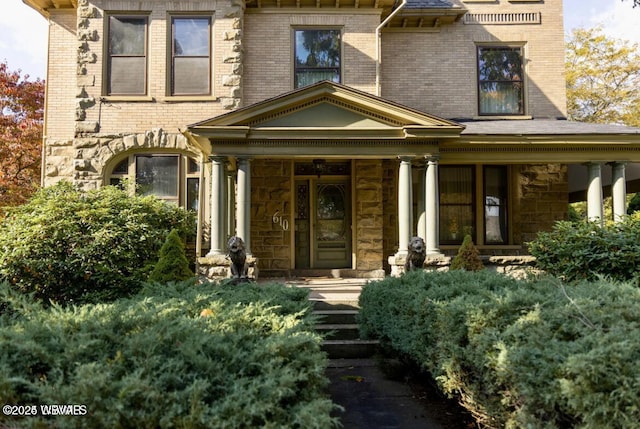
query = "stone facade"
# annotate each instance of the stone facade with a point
(271, 215)
(541, 199)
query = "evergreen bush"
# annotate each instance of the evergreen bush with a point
(517, 354)
(468, 257)
(173, 264)
(69, 246)
(587, 250)
(159, 360)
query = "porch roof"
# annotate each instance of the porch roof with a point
(326, 111)
(551, 127)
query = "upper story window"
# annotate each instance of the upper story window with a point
(127, 55)
(190, 55)
(317, 56)
(500, 80)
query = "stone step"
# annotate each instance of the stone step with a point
(336, 316)
(350, 349)
(336, 303)
(339, 331)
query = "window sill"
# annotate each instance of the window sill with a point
(188, 98)
(499, 118)
(127, 98)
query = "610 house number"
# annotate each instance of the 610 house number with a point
(279, 220)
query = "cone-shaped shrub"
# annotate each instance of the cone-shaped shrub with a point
(173, 264)
(468, 257)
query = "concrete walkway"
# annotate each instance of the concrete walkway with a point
(373, 401)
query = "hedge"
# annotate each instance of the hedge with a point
(517, 354)
(70, 246)
(175, 356)
(587, 250)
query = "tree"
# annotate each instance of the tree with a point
(603, 78)
(173, 265)
(21, 117)
(468, 257)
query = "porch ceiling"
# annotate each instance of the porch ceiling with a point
(44, 6)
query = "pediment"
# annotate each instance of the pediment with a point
(325, 113)
(325, 110)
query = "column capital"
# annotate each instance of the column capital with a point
(618, 163)
(406, 158)
(432, 158)
(218, 158)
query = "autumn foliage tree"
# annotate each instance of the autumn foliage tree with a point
(603, 78)
(21, 119)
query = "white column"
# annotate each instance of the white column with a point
(594, 193)
(218, 203)
(243, 218)
(619, 190)
(404, 204)
(231, 204)
(422, 211)
(432, 206)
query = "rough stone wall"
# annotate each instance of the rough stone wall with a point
(541, 199)
(92, 155)
(369, 214)
(271, 213)
(390, 209)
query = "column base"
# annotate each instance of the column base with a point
(216, 268)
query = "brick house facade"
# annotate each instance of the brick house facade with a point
(327, 133)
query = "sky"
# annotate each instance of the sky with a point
(23, 32)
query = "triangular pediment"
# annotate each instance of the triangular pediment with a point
(325, 114)
(326, 110)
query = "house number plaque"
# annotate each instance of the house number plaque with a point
(278, 219)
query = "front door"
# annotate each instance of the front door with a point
(323, 223)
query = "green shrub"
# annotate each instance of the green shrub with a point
(173, 264)
(70, 246)
(517, 354)
(585, 250)
(174, 356)
(468, 257)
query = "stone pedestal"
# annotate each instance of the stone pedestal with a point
(218, 267)
(431, 263)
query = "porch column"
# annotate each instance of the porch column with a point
(243, 218)
(594, 193)
(432, 206)
(405, 204)
(619, 190)
(218, 203)
(422, 210)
